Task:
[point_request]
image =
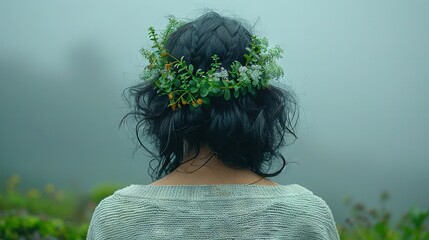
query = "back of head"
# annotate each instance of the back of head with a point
(210, 34)
(244, 132)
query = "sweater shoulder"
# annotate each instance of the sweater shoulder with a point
(292, 207)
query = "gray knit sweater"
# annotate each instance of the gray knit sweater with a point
(226, 211)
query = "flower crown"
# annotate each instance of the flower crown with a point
(183, 85)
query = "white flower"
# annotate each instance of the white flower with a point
(149, 74)
(242, 69)
(255, 67)
(222, 74)
(254, 74)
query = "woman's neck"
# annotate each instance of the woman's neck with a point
(207, 168)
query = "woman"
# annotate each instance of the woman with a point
(212, 148)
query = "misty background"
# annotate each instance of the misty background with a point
(360, 70)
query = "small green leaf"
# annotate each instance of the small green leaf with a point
(206, 100)
(227, 94)
(191, 68)
(176, 82)
(204, 92)
(194, 89)
(199, 72)
(225, 83)
(215, 90)
(236, 93)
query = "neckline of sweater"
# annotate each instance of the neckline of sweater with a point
(211, 191)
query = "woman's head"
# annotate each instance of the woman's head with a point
(244, 132)
(210, 34)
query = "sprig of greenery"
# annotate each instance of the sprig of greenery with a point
(185, 85)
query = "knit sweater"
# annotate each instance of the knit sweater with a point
(225, 211)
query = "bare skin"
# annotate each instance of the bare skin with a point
(213, 172)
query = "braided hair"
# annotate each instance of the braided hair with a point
(244, 133)
(210, 34)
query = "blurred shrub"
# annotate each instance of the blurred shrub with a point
(103, 191)
(47, 213)
(414, 224)
(21, 225)
(375, 223)
(47, 201)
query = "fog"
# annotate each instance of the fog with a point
(360, 70)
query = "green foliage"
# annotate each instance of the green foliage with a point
(414, 224)
(185, 85)
(37, 201)
(375, 224)
(103, 191)
(47, 213)
(22, 225)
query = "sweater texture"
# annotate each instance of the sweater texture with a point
(223, 211)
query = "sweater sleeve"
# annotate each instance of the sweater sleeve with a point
(327, 226)
(311, 219)
(101, 218)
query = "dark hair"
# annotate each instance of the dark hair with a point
(244, 132)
